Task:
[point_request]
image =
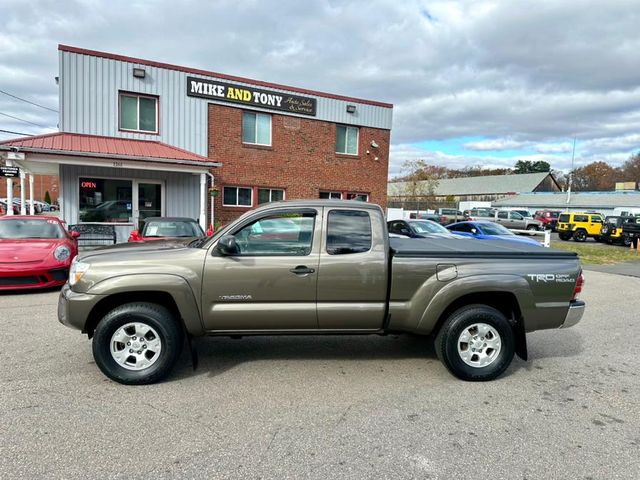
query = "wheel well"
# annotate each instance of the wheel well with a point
(505, 302)
(112, 301)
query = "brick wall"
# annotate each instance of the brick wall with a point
(301, 159)
(41, 184)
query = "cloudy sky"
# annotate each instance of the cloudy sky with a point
(473, 82)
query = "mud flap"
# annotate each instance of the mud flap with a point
(521, 339)
(194, 352)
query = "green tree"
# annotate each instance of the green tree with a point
(47, 197)
(527, 166)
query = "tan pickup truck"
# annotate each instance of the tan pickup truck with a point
(317, 267)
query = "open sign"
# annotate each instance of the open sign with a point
(89, 185)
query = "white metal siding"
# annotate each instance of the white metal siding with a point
(89, 89)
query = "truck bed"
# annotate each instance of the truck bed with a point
(454, 247)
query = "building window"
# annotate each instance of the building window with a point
(358, 197)
(266, 195)
(105, 200)
(237, 197)
(138, 113)
(256, 128)
(348, 231)
(331, 195)
(347, 140)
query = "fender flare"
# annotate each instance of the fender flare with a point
(173, 285)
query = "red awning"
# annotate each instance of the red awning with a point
(110, 147)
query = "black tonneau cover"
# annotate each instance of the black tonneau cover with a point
(470, 247)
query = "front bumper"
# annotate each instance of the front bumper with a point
(22, 278)
(574, 315)
(74, 308)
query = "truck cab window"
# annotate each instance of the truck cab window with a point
(284, 234)
(348, 231)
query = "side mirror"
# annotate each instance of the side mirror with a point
(227, 246)
(75, 234)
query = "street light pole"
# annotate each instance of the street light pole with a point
(573, 156)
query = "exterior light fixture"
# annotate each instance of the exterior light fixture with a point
(139, 72)
(351, 109)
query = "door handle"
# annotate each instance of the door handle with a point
(302, 270)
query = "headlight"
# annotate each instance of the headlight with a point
(77, 270)
(62, 253)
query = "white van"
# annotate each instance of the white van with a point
(626, 211)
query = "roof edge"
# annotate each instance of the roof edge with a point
(197, 71)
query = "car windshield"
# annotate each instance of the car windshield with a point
(30, 228)
(427, 227)
(172, 228)
(495, 229)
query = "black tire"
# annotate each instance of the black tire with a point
(580, 235)
(155, 316)
(564, 237)
(446, 342)
(626, 240)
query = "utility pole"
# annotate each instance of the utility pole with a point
(573, 156)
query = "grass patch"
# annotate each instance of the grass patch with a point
(598, 254)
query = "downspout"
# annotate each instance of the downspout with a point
(212, 200)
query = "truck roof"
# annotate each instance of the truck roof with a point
(318, 202)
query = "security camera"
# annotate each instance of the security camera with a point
(374, 144)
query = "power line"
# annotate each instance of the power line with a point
(17, 133)
(32, 103)
(23, 120)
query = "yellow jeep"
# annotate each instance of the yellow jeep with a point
(579, 225)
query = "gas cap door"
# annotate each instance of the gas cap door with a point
(446, 272)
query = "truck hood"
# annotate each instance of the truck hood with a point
(134, 250)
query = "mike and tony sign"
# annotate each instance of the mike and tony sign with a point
(241, 94)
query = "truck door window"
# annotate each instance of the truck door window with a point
(282, 234)
(503, 214)
(348, 231)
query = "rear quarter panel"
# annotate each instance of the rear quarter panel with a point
(543, 288)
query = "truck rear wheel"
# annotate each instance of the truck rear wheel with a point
(476, 343)
(137, 343)
(580, 235)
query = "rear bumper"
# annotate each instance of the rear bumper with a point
(574, 315)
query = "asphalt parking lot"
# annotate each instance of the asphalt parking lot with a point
(325, 407)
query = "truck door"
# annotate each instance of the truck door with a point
(503, 218)
(352, 282)
(516, 221)
(271, 283)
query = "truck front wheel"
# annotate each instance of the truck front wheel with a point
(476, 343)
(137, 343)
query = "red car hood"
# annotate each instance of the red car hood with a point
(26, 250)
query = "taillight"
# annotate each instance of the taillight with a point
(578, 289)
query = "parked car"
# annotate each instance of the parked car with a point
(341, 273)
(548, 218)
(4, 209)
(579, 226)
(515, 221)
(426, 216)
(631, 229)
(487, 230)
(480, 213)
(166, 228)
(416, 228)
(449, 215)
(613, 230)
(35, 252)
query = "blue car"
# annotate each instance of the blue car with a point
(485, 230)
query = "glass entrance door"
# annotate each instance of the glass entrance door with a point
(149, 200)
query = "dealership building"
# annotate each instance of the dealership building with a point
(140, 138)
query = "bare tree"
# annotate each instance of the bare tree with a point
(420, 184)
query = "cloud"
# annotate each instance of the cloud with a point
(520, 75)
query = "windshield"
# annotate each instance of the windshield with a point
(427, 227)
(168, 228)
(494, 229)
(553, 214)
(30, 228)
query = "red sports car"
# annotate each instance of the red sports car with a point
(35, 252)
